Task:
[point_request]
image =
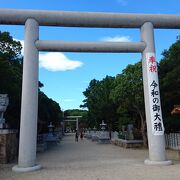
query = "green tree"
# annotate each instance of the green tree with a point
(90, 103)
(100, 106)
(169, 68)
(11, 63)
(128, 93)
(11, 76)
(10, 49)
(48, 111)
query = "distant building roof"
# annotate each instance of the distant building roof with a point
(176, 109)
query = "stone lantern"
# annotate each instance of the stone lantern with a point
(103, 125)
(8, 139)
(104, 137)
(94, 129)
(51, 128)
(51, 137)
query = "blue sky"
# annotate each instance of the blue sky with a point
(66, 75)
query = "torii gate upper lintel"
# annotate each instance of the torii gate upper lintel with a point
(32, 19)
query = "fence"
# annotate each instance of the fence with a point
(173, 141)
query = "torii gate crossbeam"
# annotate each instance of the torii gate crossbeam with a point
(32, 45)
(88, 19)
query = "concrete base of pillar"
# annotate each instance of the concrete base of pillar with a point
(158, 163)
(26, 169)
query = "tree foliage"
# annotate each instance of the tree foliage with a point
(11, 76)
(48, 111)
(128, 89)
(99, 104)
(128, 93)
(169, 68)
(11, 62)
(10, 49)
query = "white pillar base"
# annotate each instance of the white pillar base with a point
(26, 169)
(158, 163)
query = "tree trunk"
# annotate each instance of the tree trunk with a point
(143, 126)
(143, 130)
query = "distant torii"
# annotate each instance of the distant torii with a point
(73, 118)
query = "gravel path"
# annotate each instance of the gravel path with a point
(86, 160)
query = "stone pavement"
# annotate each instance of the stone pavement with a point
(87, 160)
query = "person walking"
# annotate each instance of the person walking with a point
(76, 136)
(81, 136)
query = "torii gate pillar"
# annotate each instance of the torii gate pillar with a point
(77, 124)
(155, 128)
(29, 104)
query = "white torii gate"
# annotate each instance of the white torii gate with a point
(32, 19)
(73, 118)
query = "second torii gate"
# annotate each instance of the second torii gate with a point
(73, 118)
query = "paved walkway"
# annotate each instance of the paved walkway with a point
(86, 160)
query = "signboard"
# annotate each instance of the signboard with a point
(154, 95)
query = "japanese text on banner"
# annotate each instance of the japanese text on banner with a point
(154, 95)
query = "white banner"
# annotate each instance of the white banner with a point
(154, 95)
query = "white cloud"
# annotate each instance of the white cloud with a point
(57, 61)
(117, 39)
(54, 61)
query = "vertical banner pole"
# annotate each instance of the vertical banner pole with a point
(155, 127)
